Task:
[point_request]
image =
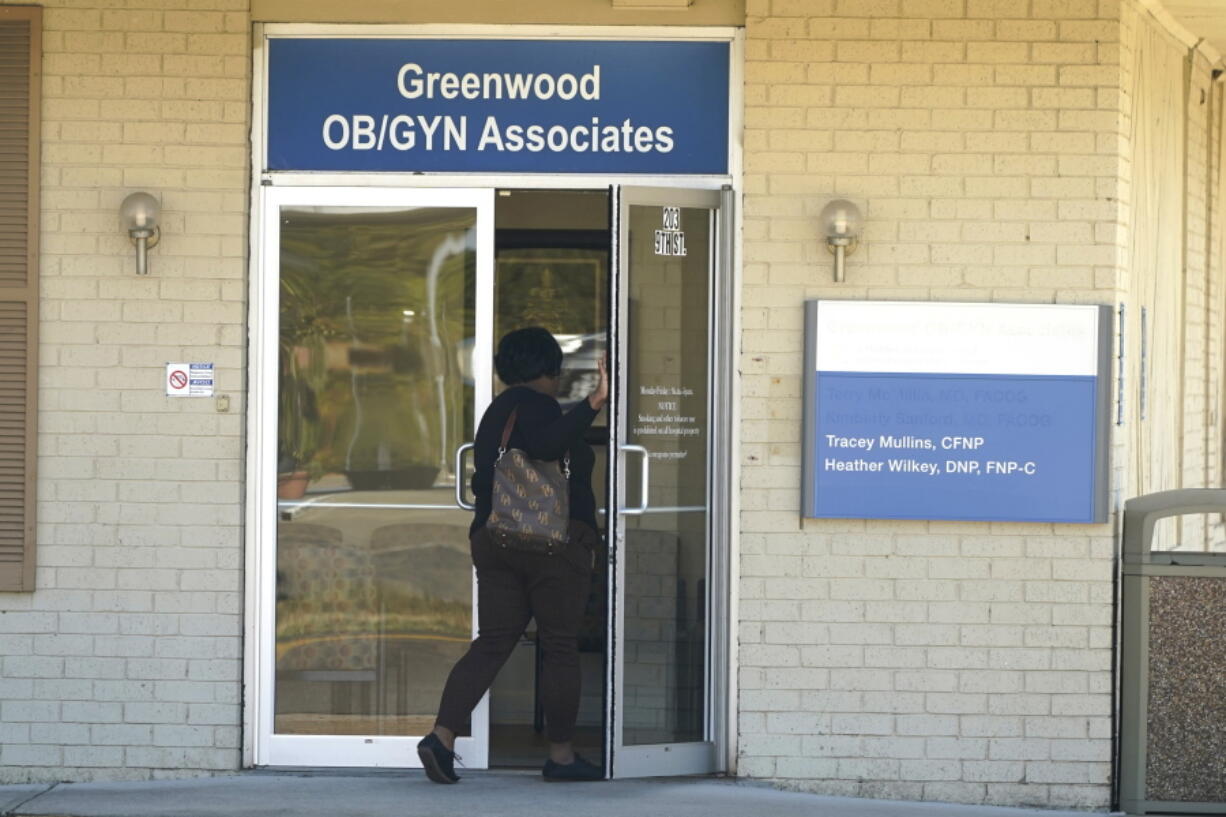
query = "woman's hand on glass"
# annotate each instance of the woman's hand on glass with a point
(600, 395)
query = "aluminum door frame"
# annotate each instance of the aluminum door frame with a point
(271, 749)
(709, 755)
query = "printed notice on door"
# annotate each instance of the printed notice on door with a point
(666, 413)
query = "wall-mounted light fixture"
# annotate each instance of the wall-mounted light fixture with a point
(138, 215)
(841, 224)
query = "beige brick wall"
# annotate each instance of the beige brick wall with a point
(1215, 320)
(1202, 453)
(967, 662)
(1199, 312)
(985, 141)
(1177, 443)
(125, 662)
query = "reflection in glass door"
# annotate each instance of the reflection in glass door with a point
(382, 297)
(662, 664)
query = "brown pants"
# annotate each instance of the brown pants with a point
(513, 587)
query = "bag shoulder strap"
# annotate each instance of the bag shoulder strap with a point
(506, 430)
(506, 439)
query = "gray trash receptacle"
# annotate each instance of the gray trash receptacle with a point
(1173, 664)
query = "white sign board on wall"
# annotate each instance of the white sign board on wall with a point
(965, 411)
(189, 380)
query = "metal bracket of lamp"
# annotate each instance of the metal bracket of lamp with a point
(841, 225)
(138, 216)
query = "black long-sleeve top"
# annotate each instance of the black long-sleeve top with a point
(544, 433)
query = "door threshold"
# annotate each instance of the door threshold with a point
(366, 771)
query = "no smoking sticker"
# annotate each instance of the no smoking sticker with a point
(189, 379)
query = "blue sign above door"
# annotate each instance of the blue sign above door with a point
(498, 106)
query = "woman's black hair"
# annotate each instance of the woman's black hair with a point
(526, 354)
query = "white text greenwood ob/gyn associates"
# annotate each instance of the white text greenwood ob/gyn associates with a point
(443, 132)
(415, 83)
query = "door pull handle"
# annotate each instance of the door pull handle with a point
(645, 479)
(459, 478)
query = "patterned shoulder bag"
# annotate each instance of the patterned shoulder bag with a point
(530, 507)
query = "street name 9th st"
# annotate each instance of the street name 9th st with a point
(670, 240)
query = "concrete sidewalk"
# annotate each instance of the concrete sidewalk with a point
(480, 794)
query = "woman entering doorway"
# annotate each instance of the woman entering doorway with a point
(515, 585)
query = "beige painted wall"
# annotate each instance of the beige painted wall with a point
(951, 661)
(500, 12)
(988, 144)
(984, 140)
(124, 663)
(1170, 239)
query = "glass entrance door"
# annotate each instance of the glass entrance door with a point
(383, 343)
(663, 711)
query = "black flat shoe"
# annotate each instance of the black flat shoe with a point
(437, 760)
(577, 771)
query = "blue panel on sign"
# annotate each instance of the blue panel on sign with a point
(966, 447)
(515, 106)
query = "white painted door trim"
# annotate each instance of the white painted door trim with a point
(267, 748)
